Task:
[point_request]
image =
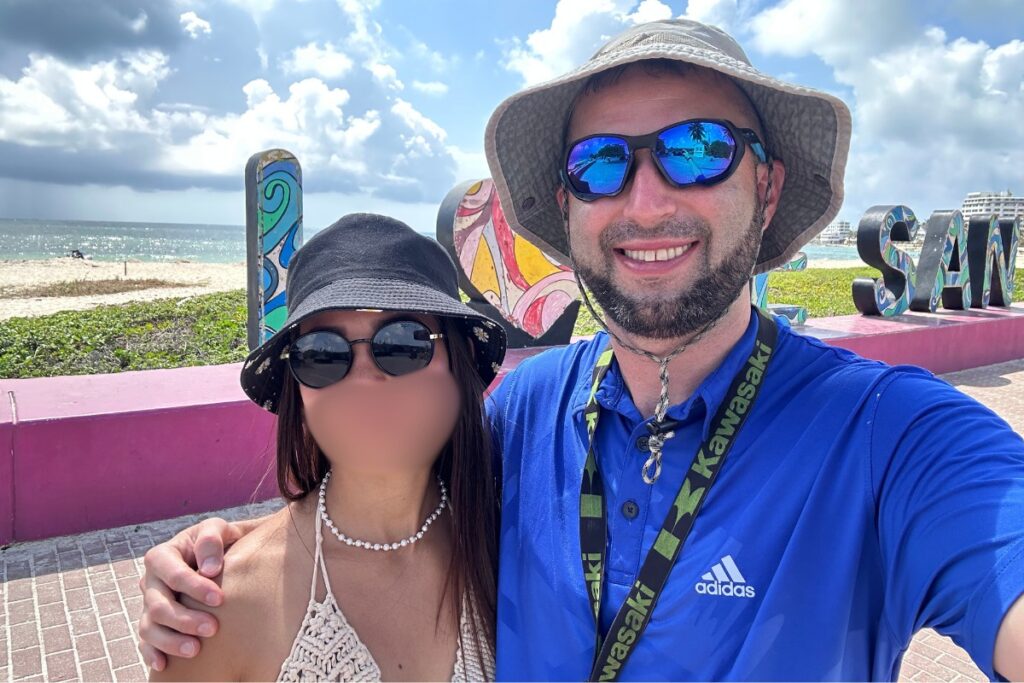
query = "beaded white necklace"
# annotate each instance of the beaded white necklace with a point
(384, 547)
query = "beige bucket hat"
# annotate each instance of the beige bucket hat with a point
(808, 130)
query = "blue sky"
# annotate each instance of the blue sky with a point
(146, 110)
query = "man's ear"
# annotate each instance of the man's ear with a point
(778, 174)
(562, 199)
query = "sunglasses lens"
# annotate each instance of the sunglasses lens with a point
(403, 347)
(319, 359)
(598, 165)
(696, 151)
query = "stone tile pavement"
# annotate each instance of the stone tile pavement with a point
(69, 606)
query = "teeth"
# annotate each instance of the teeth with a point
(656, 255)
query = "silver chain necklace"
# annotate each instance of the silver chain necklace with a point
(656, 442)
(381, 547)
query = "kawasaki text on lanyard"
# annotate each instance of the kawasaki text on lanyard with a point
(613, 651)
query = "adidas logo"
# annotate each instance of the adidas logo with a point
(725, 579)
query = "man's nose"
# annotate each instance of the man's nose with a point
(649, 198)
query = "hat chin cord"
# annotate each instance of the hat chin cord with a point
(659, 433)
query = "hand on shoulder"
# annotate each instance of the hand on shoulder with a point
(251, 584)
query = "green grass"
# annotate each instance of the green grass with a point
(208, 330)
(167, 333)
(823, 292)
(87, 288)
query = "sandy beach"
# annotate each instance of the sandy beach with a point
(199, 278)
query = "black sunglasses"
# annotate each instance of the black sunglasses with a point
(693, 152)
(322, 357)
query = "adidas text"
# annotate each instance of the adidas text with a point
(727, 589)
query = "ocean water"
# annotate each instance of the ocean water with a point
(112, 241)
(830, 252)
(28, 239)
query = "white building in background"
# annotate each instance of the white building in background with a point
(836, 232)
(1004, 204)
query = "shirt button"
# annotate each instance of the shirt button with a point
(643, 444)
(630, 509)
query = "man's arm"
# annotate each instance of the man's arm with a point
(1009, 654)
(948, 476)
(167, 627)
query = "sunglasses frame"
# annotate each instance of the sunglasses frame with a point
(743, 137)
(432, 337)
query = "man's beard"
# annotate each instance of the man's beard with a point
(694, 308)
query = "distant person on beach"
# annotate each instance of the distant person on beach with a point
(382, 565)
(701, 493)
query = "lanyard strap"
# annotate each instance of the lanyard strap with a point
(612, 651)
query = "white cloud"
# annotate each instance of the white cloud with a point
(725, 14)
(194, 25)
(423, 147)
(837, 31)
(578, 28)
(378, 147)
(138, 25)
(416, 121)
(55, 103)
(384, 74)
(933, 114)
(469, 165)
(430, 88)
(327, 61)
(311, 122)
(651, 10)
(257, 8)
(422, 54)
(366, 37)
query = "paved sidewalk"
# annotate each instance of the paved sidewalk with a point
(69, 606)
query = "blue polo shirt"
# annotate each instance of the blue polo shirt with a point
(860, 503)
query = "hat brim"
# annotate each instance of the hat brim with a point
(263, 371)
(808, 130)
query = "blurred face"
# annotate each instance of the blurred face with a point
(375, 422)
(665, 261)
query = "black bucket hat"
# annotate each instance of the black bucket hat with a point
(367, 261)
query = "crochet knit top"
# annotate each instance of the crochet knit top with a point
(327, 648)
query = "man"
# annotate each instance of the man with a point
(856, 503)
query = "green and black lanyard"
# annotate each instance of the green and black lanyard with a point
(614, 649)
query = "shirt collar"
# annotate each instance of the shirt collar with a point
(612, 394)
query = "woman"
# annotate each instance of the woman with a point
(382, 565)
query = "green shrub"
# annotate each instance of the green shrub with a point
(210, 329)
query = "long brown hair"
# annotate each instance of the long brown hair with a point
(464, 464)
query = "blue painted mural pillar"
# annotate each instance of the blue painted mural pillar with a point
(273, 227)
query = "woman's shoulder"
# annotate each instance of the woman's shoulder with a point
(264, 573)
(262, 550)
(266, 565)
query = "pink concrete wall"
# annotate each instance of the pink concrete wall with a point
(6, 468)
(97, 451)
(941, 342)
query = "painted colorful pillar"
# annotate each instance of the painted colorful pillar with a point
(505, 276)
(797, 315)
(273, 227)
